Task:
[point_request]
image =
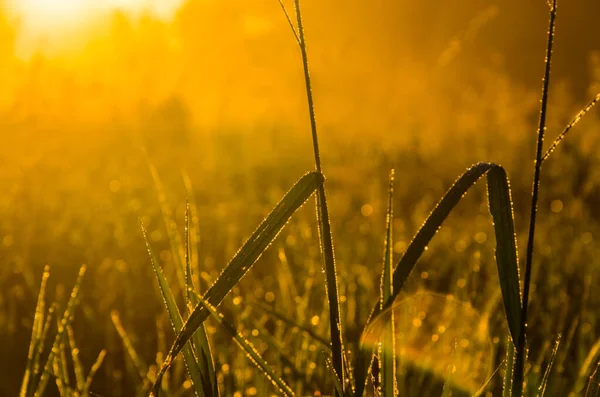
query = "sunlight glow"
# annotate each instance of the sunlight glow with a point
(46, 15)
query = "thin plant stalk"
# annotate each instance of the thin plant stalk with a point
(520, 345)
(337, 346)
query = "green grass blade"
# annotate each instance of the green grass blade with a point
(509, 371)
(65, 321)
(585, 367)
(520, 342)
(326, 240)
(189, 286)
(200, 339)
(571, 124)
(243, 261)
(336, 378)
(506, 255)
(506, 248)
(36, 334)
(544, 382)
(140, 366)
(176, 319)
(593, 388)
(480, 391)
(250, 350)
(93, 371)
(337, 345)
(413, 252)
(38, 366)
(77, 366)
(388, 345)
(177, 246)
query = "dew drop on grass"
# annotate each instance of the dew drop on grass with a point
(435, 332)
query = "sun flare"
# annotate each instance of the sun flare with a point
(45, 15)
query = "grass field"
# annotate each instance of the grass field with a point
(76, 192)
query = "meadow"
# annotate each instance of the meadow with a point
(77, 183)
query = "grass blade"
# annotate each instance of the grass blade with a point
(336, 378)
(388, 345)
(506, 255)
(509, 371)
(326, 240)
(250, 350)
(243, 261)
(585, 367)
(593, 388)
(204, 356)
(480, 391)
(544, 382)
(177, 246)
(65, 321)
(77, 366)
(571, 124)
(176, 319)
(90, 378)
(506, 248)
(36, 335)
(521, 340)
(140, 366)
(412, 254)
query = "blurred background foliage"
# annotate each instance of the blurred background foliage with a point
(213, 91)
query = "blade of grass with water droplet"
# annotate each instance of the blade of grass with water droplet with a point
(544, 382)
(325, 237)
(249, 349)
(501, 210)
(140, 366)
(36, 335)
(585, 368)
(480, 391)
(336, 378)
(93, 371)
(176, 320)
(65, 321)
(200, 339)
(177, 246)
(506, 256)
(388, 345)
(77, 366)
(593, 388)
(413, 252)
(509, 368)
(243, 260)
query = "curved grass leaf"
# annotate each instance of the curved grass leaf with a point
(243, 261)
(506, 248)
(544, 382)
(250, 350)
(176, 319)
(506, 255)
